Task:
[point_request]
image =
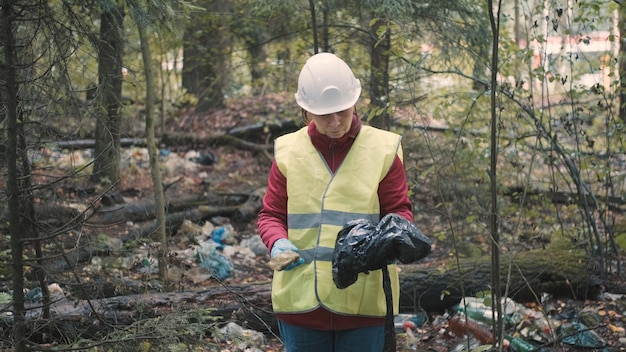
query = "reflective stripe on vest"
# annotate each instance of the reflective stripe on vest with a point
(319, 204)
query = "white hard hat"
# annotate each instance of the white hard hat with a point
(326, 85)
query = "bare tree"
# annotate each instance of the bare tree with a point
(255, 37)
(622, 59)
(207, 51)
(494, 224)
(145, 18)
(110, 50)
(379, 73)
(18, 170)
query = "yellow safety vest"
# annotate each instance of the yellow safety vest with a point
(319, 204)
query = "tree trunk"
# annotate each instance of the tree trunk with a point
(561, 273)
(251, 30)
(257, 57)
(379, 81)
(56, 214)
(622, 60)
(155, 170)
(206, 50)
(110, 49)
(314, 26)
(517, 24)
(325, 29)
(18, 173)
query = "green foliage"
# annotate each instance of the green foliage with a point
(620, 240)
(391, 8)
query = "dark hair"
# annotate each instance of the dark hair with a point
(305, 117)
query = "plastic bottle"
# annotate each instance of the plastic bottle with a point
(416, 319)
(461, 326)
(475, 308)
(519, 344)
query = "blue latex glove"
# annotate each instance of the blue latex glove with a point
(282, 245)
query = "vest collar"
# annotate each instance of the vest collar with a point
(323, 142)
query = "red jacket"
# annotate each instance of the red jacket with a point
(272, 221)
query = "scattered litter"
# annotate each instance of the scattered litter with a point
(579, 335)
(518, 344)
(35, 295)
(243, 339)
(255, 243)
(526, 326)
(610, 296)
(403, 321)
(214, 261)
(223, 235)
(189, 228)
(466, 326)
(481, 310)
(469, 344)
(205, 157)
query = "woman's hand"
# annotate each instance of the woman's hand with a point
(284, 255)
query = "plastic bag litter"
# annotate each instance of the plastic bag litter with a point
(214, 261)
(362, 246)
(577, 334)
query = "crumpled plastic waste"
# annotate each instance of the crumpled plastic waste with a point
(223, 236)
(242, 339)
(215, 262)
(363, 246)
(206, 157)
(35, 295)
(579, 335)
(402, 322)
(218, 235)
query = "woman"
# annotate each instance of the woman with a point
(331, 171)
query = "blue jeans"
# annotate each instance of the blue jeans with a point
(298, 339)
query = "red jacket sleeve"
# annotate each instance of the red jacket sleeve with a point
(393, 192)
(272, 220)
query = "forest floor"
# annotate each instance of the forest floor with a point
(239, 171)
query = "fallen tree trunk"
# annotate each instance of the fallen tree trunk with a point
(237, 137)
(91, 143)
(206, 141)
(521, 194)
(188, 207)
(144, 209)
(526, 277)
(241, 206)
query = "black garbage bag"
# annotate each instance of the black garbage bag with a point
(362, 246)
